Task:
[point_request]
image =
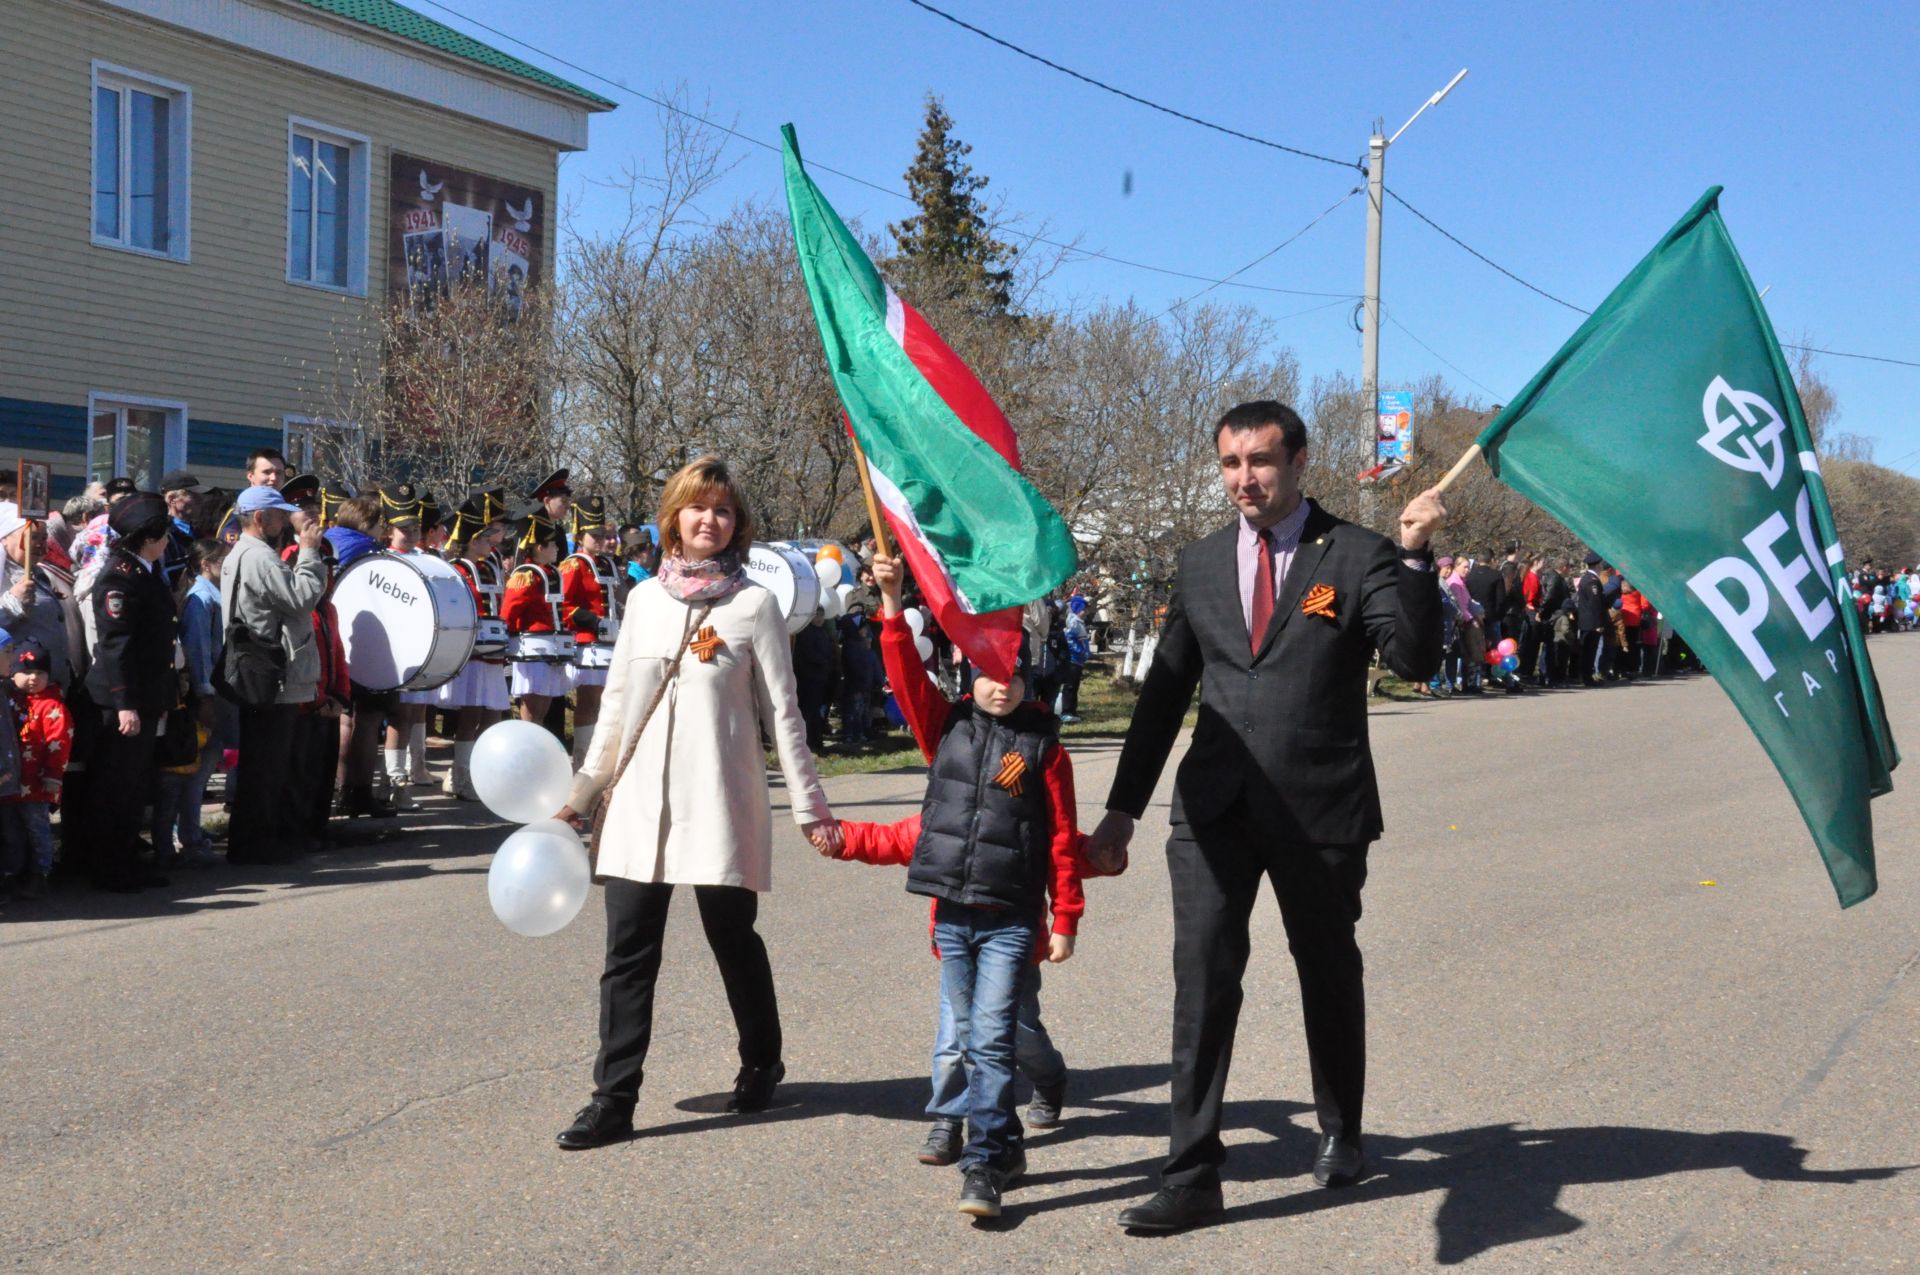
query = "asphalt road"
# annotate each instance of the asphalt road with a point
(1584, 1057)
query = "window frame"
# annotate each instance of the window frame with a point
(292, 421)
(359, 210)
(122, 79)
(173, 452)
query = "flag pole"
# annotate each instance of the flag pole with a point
(880, 545)
(1459, 467)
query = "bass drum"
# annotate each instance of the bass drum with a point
(407, 621)
(788, 574)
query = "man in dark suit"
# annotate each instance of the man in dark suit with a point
(1275, 618)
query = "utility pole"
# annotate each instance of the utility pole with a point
(1376, 192)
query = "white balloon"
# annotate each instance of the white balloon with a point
(917, 621)
(521, 771)
(830, 571)
(924, 645)
(539, 879)
(833, 604)
(846, 590)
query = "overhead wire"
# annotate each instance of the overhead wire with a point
(1328, 212)
(1131, 97)
(676, 108)
(1443, 358)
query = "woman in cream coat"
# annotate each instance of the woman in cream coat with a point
(692, 807)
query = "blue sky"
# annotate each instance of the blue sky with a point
(1582, 133)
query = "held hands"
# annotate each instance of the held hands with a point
(1059, 948)
(309, 536)
(22, 587)
(129, 722)
(1423, 516)
(1107, 847)
(891, 577)
(826, 837)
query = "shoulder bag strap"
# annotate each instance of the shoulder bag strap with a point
(605, 801)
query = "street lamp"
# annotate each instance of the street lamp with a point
(1376, 183)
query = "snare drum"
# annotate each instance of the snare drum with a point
(541, 648)
(407, 621)
(788, 574)
(490, 638)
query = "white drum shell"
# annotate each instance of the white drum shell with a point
(490, 636)
(788, 574)
(406, 621)
(541, 648)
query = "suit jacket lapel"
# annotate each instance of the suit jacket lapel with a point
(1306, 560)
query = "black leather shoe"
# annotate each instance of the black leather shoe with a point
(753, 1088)
(1175, 1208)
(596, 1125)
(1339, 1162)
(942, 1146)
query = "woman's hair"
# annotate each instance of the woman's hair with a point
(362, 513)
(205, 553)
(705, 479)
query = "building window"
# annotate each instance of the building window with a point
(141, 132)
(327, 194)
(132, 435)
(332, 449)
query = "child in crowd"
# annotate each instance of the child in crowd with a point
(997, 837)
(1034, 1053)
(46, 741)
(203, 637)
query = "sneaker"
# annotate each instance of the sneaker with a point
(980, 1192)
(942, 1146)
(401, 799)
(1044, 1111)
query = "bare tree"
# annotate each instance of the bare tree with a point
(451, 389)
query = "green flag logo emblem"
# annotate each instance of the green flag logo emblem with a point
(1747, 411)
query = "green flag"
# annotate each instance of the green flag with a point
(1667, 433)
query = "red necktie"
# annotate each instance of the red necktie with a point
(1262, 594)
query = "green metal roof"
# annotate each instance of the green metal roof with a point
(398, 20)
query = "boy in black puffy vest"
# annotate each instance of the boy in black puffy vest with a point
(997, 837)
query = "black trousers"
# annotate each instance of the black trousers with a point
(636, 930)
(121, 771)
(1216, 870)
(314, 761)
(264, 807)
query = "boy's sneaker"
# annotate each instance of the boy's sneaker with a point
(1044, 1111)
(980, 1192)
(942, 1146)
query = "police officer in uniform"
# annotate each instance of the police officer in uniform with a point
(133, 684)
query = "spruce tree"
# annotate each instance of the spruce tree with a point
(950, 236)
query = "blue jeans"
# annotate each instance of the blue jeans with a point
(1033, 1053)
(986, 961)
(37, 818)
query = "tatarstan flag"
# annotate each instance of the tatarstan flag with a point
(979, 538)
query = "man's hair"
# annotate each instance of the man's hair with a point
(265, 453)
(705, 478)
(82, 509)
(1261, 413)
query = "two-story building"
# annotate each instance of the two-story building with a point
(196, 195)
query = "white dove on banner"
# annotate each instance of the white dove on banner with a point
(429, 190)
(522, 216)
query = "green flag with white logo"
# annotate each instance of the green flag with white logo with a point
(1667, 434)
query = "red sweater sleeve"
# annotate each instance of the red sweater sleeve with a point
(56, 738)
(881, 844)
(921, 702)
(1063, 838)
(1530, 588)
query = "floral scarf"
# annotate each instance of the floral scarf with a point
(708, 580)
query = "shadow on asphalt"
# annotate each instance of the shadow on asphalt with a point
(364, 854)
(1499, 1184)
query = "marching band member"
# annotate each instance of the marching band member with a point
(589, 597)
(553, 498)
(433, 540)
(531, 609)
(404, 511)
(477, 698)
